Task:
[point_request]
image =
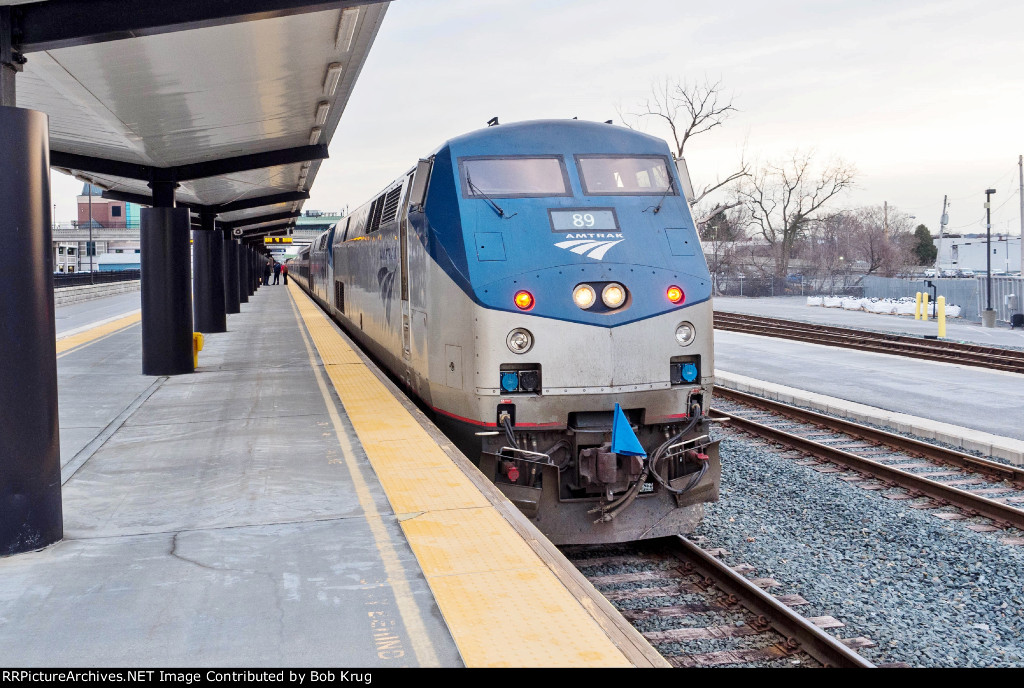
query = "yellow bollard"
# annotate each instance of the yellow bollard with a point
(924, 306)
(197, 346)
(917, 307)
(941, 304)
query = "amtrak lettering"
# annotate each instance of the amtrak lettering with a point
(589, 245)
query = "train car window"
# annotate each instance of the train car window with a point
(621, 175)
(519, 177)
(344, 234)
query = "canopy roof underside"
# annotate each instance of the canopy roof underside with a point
(203, 92)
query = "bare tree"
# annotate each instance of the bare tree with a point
(784, 199)
(884, 245)
(718, 235)
(687, 110)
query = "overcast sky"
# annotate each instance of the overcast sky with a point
(923, 98)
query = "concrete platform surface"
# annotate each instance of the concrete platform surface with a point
(796, 308)
(966, 396)
(86, 314)
(209, 520)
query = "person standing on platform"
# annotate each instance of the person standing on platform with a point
(284, 272)
(277, 272)
(266, 272)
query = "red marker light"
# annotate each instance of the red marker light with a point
(524, 300)
(675, 294)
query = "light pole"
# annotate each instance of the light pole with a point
(988, 317)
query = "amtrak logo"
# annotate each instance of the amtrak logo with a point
(590, 245)
(386, 281)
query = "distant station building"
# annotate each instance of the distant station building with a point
(969, 252)
(115, 235)
(312, 222)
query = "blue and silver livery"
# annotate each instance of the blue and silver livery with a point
(521, 281)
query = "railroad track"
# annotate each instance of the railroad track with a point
(699, 612)
(950, 484)
(994, 358)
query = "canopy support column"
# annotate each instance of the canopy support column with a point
(166, 288)
(30, 493)
(208, 281)
(231, 297)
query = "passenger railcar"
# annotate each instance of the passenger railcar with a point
(520, 282)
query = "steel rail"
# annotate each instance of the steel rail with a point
(811, 639)
(926, 450)
(975, 504)
(1008, 360)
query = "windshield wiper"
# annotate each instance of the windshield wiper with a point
(671, 187)
(474, 187)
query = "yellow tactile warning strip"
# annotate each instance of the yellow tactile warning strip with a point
(75, 341)
(502, 604)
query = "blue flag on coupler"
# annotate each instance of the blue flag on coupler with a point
(624, 440)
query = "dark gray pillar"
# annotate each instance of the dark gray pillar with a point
(208, 280)
(166, 290)
(30, 507)
(231, 299)
(243, 272)
(257, 271)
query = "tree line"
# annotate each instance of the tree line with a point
(762, 217)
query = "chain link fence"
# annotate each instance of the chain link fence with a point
(768, 286)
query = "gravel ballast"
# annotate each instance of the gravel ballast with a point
(928, 592)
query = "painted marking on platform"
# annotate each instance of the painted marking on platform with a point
(407, 606)
(480, 570)
(72, 343)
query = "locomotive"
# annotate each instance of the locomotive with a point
(539, 287)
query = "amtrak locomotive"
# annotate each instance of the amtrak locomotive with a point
(522, 281)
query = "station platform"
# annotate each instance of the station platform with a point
(796, 308)
(965, 406)
(283, 506)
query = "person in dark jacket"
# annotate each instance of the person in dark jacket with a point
(266, 272)
(277, 272)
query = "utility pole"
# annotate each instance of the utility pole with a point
(988, 316)
(943, 221)
(885, 223)
(88, 246)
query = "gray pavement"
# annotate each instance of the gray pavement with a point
(968, 396)
(210, 520)
(796, 308)
(85, 313)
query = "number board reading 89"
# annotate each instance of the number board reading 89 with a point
(584, 220)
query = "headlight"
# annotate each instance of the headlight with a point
(685, 333)
(613, 295)
(584, 296)
(519, 341)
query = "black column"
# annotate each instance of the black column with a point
(230, 275)
(208, 280)
(166, 288)
(30, 507)
(257, 271)
(244, 267)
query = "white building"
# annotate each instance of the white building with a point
(968, 252)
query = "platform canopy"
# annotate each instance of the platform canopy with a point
(235, 100)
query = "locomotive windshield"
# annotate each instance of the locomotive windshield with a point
(616, 175)
(513, 177)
